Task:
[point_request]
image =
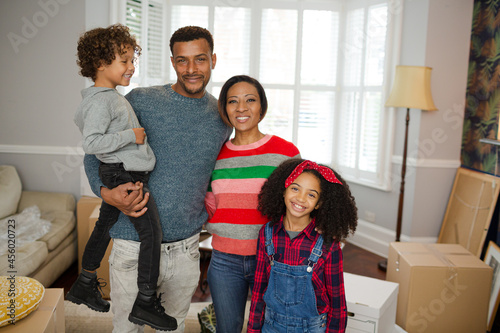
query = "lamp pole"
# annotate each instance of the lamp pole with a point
(411, 89)
(382, 265)
(403, 174)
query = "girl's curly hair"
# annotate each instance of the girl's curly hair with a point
(98, 47)
(337, 215)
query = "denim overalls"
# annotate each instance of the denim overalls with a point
(290, 298)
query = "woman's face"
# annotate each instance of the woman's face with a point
(243, 107)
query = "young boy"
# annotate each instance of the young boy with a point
(112, 132)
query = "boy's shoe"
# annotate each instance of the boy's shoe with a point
(148, 310)
(87, 291)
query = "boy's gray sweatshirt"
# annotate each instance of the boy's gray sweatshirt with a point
(106, 119)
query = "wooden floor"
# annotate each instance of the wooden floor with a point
(356, 261)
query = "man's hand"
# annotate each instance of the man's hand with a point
(128, 198)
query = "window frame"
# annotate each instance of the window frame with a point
(379, 180)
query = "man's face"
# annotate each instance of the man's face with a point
(193, 64)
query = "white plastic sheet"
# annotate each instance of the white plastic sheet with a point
(22, 228)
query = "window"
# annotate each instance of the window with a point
(324, 65)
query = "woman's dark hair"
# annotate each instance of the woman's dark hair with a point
(337, 215)
(98, 47)
(231, 82)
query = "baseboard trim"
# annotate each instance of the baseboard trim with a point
(376, 239)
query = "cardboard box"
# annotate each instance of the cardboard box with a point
(371, 304)
(103, 270)
(84, 209)
(48, 318)
(442, 287)
(88, 212)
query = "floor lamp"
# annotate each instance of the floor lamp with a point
(411, 90)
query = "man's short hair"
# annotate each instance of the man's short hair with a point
(189, 33)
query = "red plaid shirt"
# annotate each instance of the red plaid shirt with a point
(327, 278)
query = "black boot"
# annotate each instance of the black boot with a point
(86, 291)
(148, 310)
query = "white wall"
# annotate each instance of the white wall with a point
(40, 91)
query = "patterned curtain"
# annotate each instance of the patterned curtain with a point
(483, 93)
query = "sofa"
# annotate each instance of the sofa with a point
(47, 257)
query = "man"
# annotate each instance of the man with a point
(186, 133)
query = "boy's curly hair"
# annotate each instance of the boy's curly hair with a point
(337, 215)
(98, 47)
(189, 33)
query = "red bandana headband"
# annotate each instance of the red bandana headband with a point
(310, 165)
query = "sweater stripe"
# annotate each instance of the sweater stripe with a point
(240, 247)
(238, 185)
(243, 173)
(250, 161)
(241, 201)
(239, 216)
(235, 231)
(275, 145)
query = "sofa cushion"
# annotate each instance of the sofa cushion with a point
(10, 190)
(63, 222)
(47, 201)
(28, 295)
(28, 258)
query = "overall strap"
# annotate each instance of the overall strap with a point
(269, 240)
(315, 253)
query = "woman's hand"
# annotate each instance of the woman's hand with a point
(128, 198)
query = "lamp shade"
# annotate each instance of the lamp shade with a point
(412, 88)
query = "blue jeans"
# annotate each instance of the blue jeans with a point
(230, 277)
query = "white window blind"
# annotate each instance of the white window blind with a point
(146, 21)
(324, 65)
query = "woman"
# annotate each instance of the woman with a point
(243, 165)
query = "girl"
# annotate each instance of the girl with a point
(299, 285)
(242, 167)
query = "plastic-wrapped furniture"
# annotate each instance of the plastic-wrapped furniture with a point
(46, 258)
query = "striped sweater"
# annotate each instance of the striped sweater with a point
(240, 172)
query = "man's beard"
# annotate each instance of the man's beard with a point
(193, 91)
